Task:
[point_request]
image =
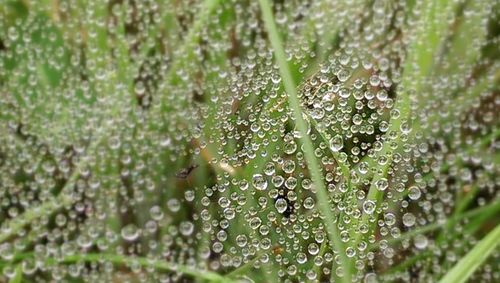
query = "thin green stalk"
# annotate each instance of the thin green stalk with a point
(464, 269)
(317, 268)
(419, 64)
(313, 164)
(490, 208)
(126, 260)
(343, 165)
(407, 264)
(187, 48)
(477, 216)
(14, 226)
(18, 276)
(243, 268)
(301, 78)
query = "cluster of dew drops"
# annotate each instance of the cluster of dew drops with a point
(160, 130)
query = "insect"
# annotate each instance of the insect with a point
(277, 250)
(184, 172)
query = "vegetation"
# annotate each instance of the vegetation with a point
(249, 141)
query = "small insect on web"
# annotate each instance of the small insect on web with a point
(185, 172)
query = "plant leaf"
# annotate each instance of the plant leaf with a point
(468, 264)
(18, 277)
(312, 162)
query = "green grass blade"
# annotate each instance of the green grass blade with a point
(13, 226)
(127, 260)
(187, 49)
(472, 28)
(480, 211)
(468, 264)
(312, 162)
(18, 277)
(425, 45)
(343, 165)
(478, 217)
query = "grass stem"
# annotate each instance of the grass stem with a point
(125, 260)
(463, 270)
(312, 162)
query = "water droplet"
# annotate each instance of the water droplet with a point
(414, 193)
(281, 205)
(336, 143)
(408, 219)
(130, 232)
(259, 182)
(420, 241)
(382, 184)
(369, 207)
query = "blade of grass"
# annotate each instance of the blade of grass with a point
(343, 165)
(487, 209)
(464, 269)
(186, 49)
(126, 260)
(12, 227)
(478, 217)
(271, 107)
(417, 67)
(332, 35)
(313, 164)
(472, 28)
(317, 268)
(18, 277)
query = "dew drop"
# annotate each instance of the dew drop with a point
(281, 205)
(336, 143)
(259, 182)
(130, 232)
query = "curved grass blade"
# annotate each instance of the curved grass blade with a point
(312, 162)
(484, 210)
(478, 217)
(18, 277)
(187, 48)
(13, 226)
(463, 270)
(426, 43)
(126, 260)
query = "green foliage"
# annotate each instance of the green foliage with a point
(463, 270)
(235, 141)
